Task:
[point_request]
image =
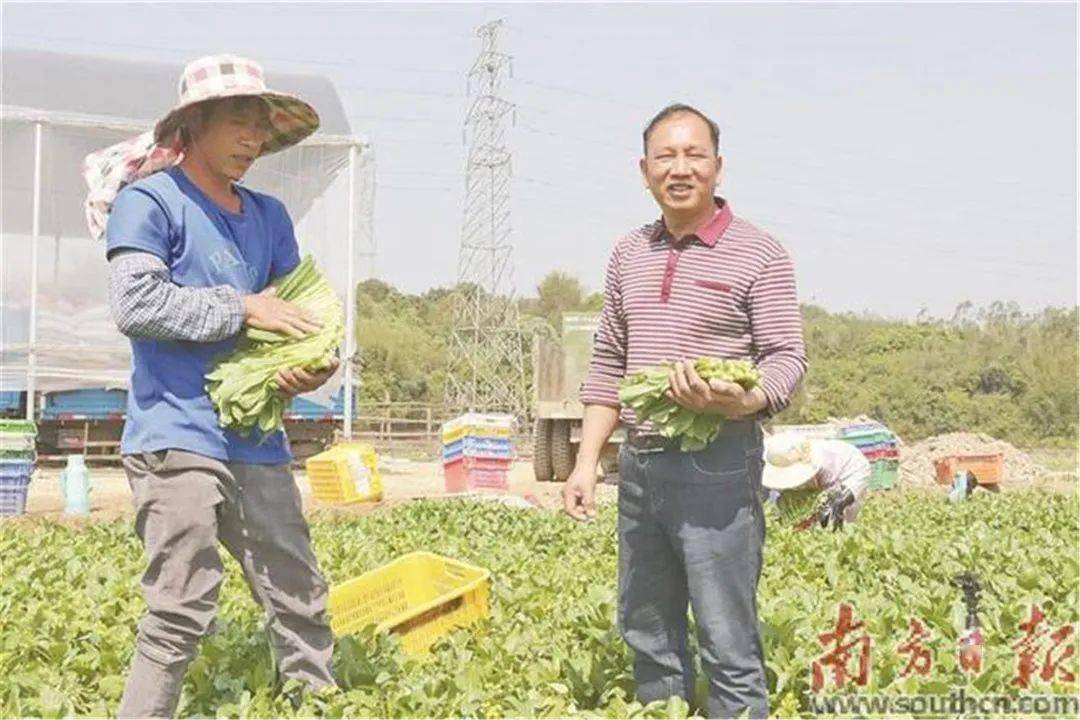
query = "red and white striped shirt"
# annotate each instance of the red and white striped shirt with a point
(726, 291)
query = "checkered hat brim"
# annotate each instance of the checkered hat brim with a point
(223, 76)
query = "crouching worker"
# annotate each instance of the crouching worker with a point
(815, 481)
(191, 253)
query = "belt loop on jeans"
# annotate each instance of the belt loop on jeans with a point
(650, 442)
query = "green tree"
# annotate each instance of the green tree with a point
(557, 293)
(993, 369)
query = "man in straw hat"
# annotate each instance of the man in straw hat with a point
(191, 253)
(823, 481)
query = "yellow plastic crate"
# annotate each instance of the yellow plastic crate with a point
(480, 424)
(346, 473)
(420, 596)
(449, 436)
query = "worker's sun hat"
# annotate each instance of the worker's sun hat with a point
(789, 462)
(222, 76)
(790, 469)
(206, 79)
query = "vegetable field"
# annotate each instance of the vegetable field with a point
(70, 600)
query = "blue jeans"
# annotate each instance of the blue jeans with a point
(692, 532)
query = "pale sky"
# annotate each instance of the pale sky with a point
(909, 156)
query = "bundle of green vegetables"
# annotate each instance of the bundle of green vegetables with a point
(644, 392)
(242, 385)
(799, 504)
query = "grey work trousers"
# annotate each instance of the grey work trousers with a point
(185, 503)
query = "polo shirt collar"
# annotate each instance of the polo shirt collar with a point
(709, 233)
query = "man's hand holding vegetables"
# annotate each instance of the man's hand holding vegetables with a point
(266, 311)
(297, 381)
(197, 263)
(713, 396)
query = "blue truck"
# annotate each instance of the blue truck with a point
(90, 421)
(11, 404)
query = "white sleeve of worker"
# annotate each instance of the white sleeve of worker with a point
(844, 464)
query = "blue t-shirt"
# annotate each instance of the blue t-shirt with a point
(204, 245)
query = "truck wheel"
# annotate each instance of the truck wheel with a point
(542, 451)
(609, 463)
(562, 451)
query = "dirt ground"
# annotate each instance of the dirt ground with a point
(403, 481)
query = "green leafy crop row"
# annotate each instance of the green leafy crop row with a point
(69, 601)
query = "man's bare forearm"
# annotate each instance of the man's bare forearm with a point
(597, 426)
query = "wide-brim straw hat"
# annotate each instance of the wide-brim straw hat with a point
(223, 76)
(789, 462)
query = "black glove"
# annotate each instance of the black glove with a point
(833, 508)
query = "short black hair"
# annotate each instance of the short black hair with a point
(681, 109)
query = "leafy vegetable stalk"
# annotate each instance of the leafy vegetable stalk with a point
(644, 393)
(242, 385)
(798, 505)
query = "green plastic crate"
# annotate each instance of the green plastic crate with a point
(17, 427)
(884, 474)
(869, 438)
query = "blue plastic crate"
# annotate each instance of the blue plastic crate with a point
(12, 501)
(16, 468)
(875, 447)
(862, 428)
(14, 482)
(478, 447)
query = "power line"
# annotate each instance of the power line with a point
(49, 43)
(418, 188)
(580, 93)
(399, 118)
(561, 135)
(429, 173)
(396, 91)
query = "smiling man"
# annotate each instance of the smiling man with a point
(697, 282)
(191, 253)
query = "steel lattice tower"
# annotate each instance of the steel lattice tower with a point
(487, 358)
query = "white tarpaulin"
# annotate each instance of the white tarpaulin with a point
(69, 106)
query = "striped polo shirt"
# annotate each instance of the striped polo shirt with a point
(726, 291)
